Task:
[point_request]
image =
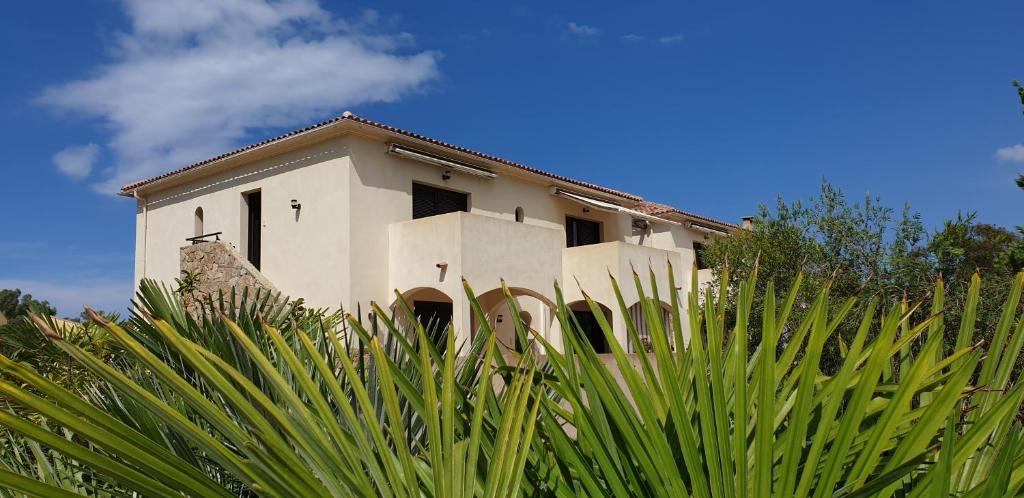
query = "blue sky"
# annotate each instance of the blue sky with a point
(713, 107)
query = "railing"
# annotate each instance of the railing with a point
(202, 238)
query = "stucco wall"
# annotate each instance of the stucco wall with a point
(340, 249)
(304, 253)
(482, 248)
(591, 265)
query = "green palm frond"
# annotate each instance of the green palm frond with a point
(259, 396)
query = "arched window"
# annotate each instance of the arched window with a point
(198, 224)
(643, 329)
(520, 215)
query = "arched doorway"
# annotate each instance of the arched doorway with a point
(535, 312)
(589, 325)
(432, 308)
(644, 329)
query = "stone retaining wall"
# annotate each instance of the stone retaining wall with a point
(217, 268)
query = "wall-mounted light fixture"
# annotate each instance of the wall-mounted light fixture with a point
(295, 205)
(447, 175)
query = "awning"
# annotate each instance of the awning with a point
(442, 162)
(704, 228)
(608, 206)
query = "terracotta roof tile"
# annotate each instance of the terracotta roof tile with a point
(651, 208)
(357, 119)
(132, 186)
(658, 209)
(490, 157)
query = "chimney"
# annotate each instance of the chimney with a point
(748, 223)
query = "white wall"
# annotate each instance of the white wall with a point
(304, 253)
(338, 251)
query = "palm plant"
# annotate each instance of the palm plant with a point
(266, 399)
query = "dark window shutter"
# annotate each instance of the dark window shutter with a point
(431, 201)
(581, 232)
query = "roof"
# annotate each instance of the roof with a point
(658, 209)
(652, 208)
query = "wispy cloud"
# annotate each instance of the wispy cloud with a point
(76, 161)
(631, 37)
(1013, 153)
(670, 39)
(192, 79)
(582, 30)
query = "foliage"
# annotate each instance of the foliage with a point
(21, 341)
(14, 304)
(263, 401)
(860, 247)
(1020, 93)
(867, 248)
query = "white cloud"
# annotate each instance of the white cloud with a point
(582, 29)
(193, 78)
(76, 161)
(70, 297)
(1013, 153)
(670, 39)
(631, 37)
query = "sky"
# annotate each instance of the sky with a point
(713, 107)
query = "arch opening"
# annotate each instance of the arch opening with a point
(645, 329)
(432, 308)
(520, 214)
(197, 222)
(536, 312)
(589, 325)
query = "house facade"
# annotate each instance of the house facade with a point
(349, 210)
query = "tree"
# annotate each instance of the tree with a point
(869, 249)
(863, 247)
(1020, 93)
(14, 304)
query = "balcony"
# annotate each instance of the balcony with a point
(436, 251)
(427, 257)
(591, 265)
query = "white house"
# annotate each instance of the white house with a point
(348, 210)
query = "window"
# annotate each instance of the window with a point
(643, 329)
(432, 201)
(520, 215)
(254, 227)
(698, 255)
(198, 223)
(581, 232)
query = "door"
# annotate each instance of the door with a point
(435, 317)
(432, 201)
(254, 226)
(592, 330)
(581, 232)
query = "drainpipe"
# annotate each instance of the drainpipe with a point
(145, 230)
